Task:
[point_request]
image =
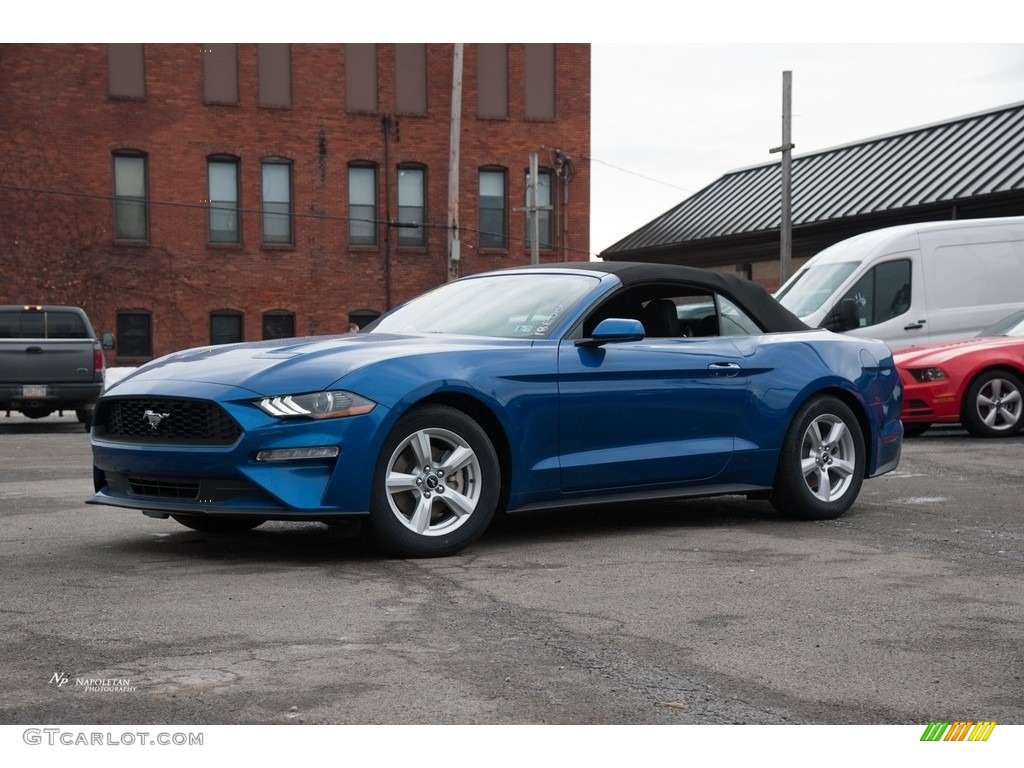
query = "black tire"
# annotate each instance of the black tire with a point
(36, 413)
(436, 486)
(85, 417)
(821, 464)
(915, 428)
(219, 523)
(992, 405)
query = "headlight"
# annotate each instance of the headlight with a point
(927, 374)
(316, 405)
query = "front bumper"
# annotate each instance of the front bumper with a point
(182, 478)
(929, 401)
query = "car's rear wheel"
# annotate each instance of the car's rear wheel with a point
(821, 464)
(992, 405)
(219, 523)
(436, 486)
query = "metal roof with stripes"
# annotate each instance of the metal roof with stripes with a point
(964, 158)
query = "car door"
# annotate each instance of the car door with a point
(662, 411)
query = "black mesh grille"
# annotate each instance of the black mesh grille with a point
(164, 489)
(164, 420)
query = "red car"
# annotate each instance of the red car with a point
(977, 382)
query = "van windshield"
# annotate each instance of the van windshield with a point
(813, 286)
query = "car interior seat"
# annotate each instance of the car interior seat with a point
(707, 326)
(660, 318)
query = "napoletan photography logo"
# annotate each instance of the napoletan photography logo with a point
(93, 684)
(958, 730)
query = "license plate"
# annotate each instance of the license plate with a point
(33, 391)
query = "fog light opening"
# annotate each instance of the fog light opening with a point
(297, 454)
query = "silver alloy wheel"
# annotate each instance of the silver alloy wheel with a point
(434, 482)
(998, 404)
(828, 457)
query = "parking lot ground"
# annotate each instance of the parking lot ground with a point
(910, 608)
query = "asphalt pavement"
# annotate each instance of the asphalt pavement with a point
(906, 610)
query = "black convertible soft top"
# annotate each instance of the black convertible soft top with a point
(746, 293)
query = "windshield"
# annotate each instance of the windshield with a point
(512, 306)
(812, 287)
(1012, 325)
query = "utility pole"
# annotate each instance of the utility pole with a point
(786, 228)
(454, 244)
(531, 207)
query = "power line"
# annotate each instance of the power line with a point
(640, 175)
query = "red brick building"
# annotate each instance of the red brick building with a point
(194, 194)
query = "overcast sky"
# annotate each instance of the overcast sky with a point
(669, 119)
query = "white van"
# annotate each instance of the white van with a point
(915, 283)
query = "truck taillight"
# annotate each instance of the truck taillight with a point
(98, 361)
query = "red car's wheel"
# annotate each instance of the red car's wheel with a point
(992, 405)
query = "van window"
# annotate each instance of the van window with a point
(985, 273)
(882, 293)
(813, 286)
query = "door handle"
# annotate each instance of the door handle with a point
(914, 326)
(33, 350)
(724, 369)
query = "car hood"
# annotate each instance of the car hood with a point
(937, 354)
(298, 365)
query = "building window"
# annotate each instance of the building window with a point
(126, 75)
(223, 200)
(278, 324)
(361, 77)
(277, 202)
(273, 61)
(411, 208)
(492, 80)
(362, 205)
(220, 73)
(411, 78)
(226, 327)
(540, 81)
(545, 217)
(134, 334)
(492, 209)
(130, 210)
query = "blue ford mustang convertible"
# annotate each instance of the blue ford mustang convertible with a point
(517, 389)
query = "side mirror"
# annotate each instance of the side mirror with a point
(107, 341)
(843, 317)
(614, 330)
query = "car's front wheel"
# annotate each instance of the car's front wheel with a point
(992, 405)
(821, 465)
(436, 486)
(219, 523)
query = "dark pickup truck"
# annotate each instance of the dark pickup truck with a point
(50, 360)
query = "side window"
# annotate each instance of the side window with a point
(697, 315)
(734, 321)
(672, 310)
(882, 293)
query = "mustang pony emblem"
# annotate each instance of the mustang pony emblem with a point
(153, 418)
